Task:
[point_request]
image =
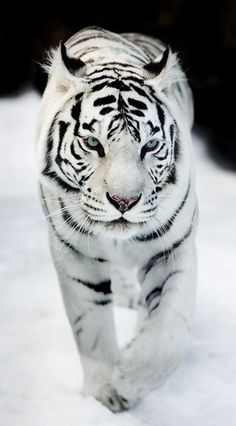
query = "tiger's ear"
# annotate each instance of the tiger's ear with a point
(163, 71)
(65, 70)
(156, 67)
(75, 66)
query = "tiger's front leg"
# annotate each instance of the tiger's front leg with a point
(86, 290)
(168, 292)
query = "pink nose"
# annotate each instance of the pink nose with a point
(123, 204)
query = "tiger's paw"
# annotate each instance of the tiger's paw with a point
(110, 398)
(128, 383)
(137, 372)
(146, 363)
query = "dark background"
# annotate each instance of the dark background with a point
(203, 32)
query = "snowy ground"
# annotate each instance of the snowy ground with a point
(40, 373)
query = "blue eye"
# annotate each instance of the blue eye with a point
(92, 142)
(150, 146)
(94, 145)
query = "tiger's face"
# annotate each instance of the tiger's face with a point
(113, 149)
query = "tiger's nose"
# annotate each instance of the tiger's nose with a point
(123, 204)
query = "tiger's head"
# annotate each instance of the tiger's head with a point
(109, 139)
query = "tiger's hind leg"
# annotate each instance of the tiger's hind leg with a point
(125, 287)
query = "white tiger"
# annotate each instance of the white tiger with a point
(117, 185)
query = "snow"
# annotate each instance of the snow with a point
(40, 369)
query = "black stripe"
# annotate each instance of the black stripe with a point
(79, 96)
(172, 128)
(112, 131)
(104, 100)
(64, 162)
(122, 107)
(135, 79)
(48, 159)
(83, 149)
(82, 168)
(137, 104)
(161, 158)
(132, 129)
(132, 75)
(149, 210)
(68, 218)
(137, 112)
(172, 176)
(122, 64)
(93, 208)
(176, 150)
(114, 118)
(154, 129)
(102, 287)
(106, 110)
(165, 254)
(174, 133)
(78, 319)
(101, 77)
(140, 91)
(112, 66)
(153, 294)
(62, 130)
(75, 113)
(120, 85)
(83, 179)
(99, 86)
(158, 290)
(102, 302)
(161, 116)
(72, 150)
(89, 126)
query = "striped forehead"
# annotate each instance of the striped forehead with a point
(122, 105)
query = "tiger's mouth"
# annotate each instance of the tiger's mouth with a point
(115, 225)
(121, 222)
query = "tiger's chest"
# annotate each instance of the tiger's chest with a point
(123, 253)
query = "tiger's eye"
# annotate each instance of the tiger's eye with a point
(152, 144)
(94, 145)
(92, 142)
